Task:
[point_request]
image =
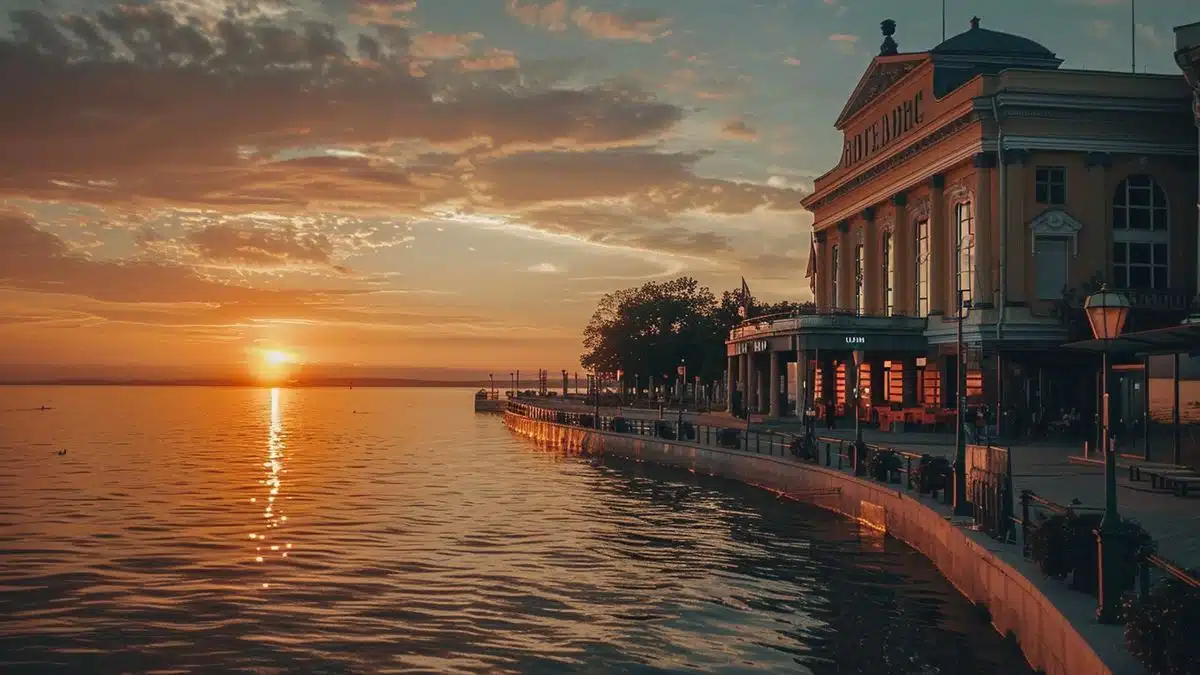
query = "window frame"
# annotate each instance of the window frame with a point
(887, 246)
(860, 263)
(1156, 236)
(964, 248)
(921, 261)
(1049, 183)
(835, 273)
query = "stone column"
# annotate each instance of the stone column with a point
(909, 386)
(940, 250)
(983, 290)
(764, 382)
(872, 257)
(845, 299)
(730, 375)
(1020, 255)
(821, 271)
(751, 395)
(803, 388)
(773, 386)
(903, 243)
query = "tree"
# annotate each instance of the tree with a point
(651, 330)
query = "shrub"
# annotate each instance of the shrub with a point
(620, 425)
(1065, 544)
(933, 474)
(687, 431)
(804, 448)
(730, 438)
(884, 463)
(1160, 628)
(587, 421)
(664, 429)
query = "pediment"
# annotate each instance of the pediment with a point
(883, 72)
(1055, 223)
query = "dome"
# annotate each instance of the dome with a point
(992, 43)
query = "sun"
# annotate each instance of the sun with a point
(275, 357)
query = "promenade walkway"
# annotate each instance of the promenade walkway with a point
(1043, 468)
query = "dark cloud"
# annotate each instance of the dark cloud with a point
(625, 228)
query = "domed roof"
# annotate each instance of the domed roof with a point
(990, 42)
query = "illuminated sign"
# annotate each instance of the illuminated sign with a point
(856, 340)
(876, 136)
(755, 345)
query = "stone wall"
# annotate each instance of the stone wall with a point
(970, 561)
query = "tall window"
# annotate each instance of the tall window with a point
(1050, 185)
(834, 260)
(1050, 261)
(922, 268)
(964, 219)
(1141, 234)
(889, 270)
(859, 307)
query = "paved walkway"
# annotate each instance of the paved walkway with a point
(1041, 467)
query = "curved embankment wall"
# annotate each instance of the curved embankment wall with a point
(1049, 641)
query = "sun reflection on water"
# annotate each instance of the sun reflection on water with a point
(274, 465)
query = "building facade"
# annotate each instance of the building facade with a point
(983, 190)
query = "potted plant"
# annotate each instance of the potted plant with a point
(1160, 628)
(620, 425)
(885, 464)
(587, 421)
(687, 431)
(664, 429)
(933, 474)
(730, 438)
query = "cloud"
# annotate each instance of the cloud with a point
(635, 26)
(253, 98)
(793, 61)
(1149, 34)
(442, 45)
(1098, 29)
(495, 59)
(552, 16)
(260, 245)
(738, 130)
(842, 37)
(382, 12)
(543, 268)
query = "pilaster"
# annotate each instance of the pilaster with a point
(821, 271)
(1020, 255)
(845, 299)
(872, 274)
(1095, 182)
(983, 286)
(903, 248)
(730, 374)
(773, 386)
(939, 247)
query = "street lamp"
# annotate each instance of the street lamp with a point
(961, 506)
(513, 381)
(1106, 313)
(492, 384)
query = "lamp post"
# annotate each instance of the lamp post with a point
(1106, 313)
(512, 380)
(492, 384)
(961, 506)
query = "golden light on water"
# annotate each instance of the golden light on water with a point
(273, 365)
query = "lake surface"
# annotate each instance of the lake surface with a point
(392, 530)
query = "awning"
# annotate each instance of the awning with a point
(1173, 340)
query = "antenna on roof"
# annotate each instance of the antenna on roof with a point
(1133, 36)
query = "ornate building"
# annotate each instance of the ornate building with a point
(981, 170)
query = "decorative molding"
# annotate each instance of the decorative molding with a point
(819, 237)
(959, 193)
(937, 181)
(843, 226)
(900, 199)
(1115, 146)
(919, 209)
(887, 224)
(878, 78)
(892, 162)
(1075, 102)
(1059, 224)
(869, 214)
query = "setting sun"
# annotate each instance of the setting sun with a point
(275, 357)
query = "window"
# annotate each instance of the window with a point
(889, 270)
(1050, 185)
(922, 263)
(859, 308)
(1141, 234)
(1050, 256)
(834, 259)
(964, 219)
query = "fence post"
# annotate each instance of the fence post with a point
(840, 448)
(1026, 498)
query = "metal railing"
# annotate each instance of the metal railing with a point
(790, 321)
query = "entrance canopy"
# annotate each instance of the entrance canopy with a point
(1174, 340)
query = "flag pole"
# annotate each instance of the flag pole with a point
(943, 20)
(1133, 36)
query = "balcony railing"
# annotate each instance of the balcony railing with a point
(828, 318)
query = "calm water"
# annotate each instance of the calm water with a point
(372, 530)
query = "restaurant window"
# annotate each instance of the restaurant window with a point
(1141, 234)
(894, 382)
(922, 265)
(1050, 185)
(1051, 257)
(889, 271)
(834, 259)
(859, 306)
(964, 220)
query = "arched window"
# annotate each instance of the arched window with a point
(921, 261)
(859, 269)
(964, 221)
(1141, 234)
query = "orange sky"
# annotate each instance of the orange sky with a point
(421, 184)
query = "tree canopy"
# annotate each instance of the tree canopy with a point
(652, 329)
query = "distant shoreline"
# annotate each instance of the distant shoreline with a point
(300, 384)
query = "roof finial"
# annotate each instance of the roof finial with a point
(974, 22)
(889, 46)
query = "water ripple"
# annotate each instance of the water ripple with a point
(244, 530)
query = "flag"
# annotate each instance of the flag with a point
(810, 271)
(744, 309)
